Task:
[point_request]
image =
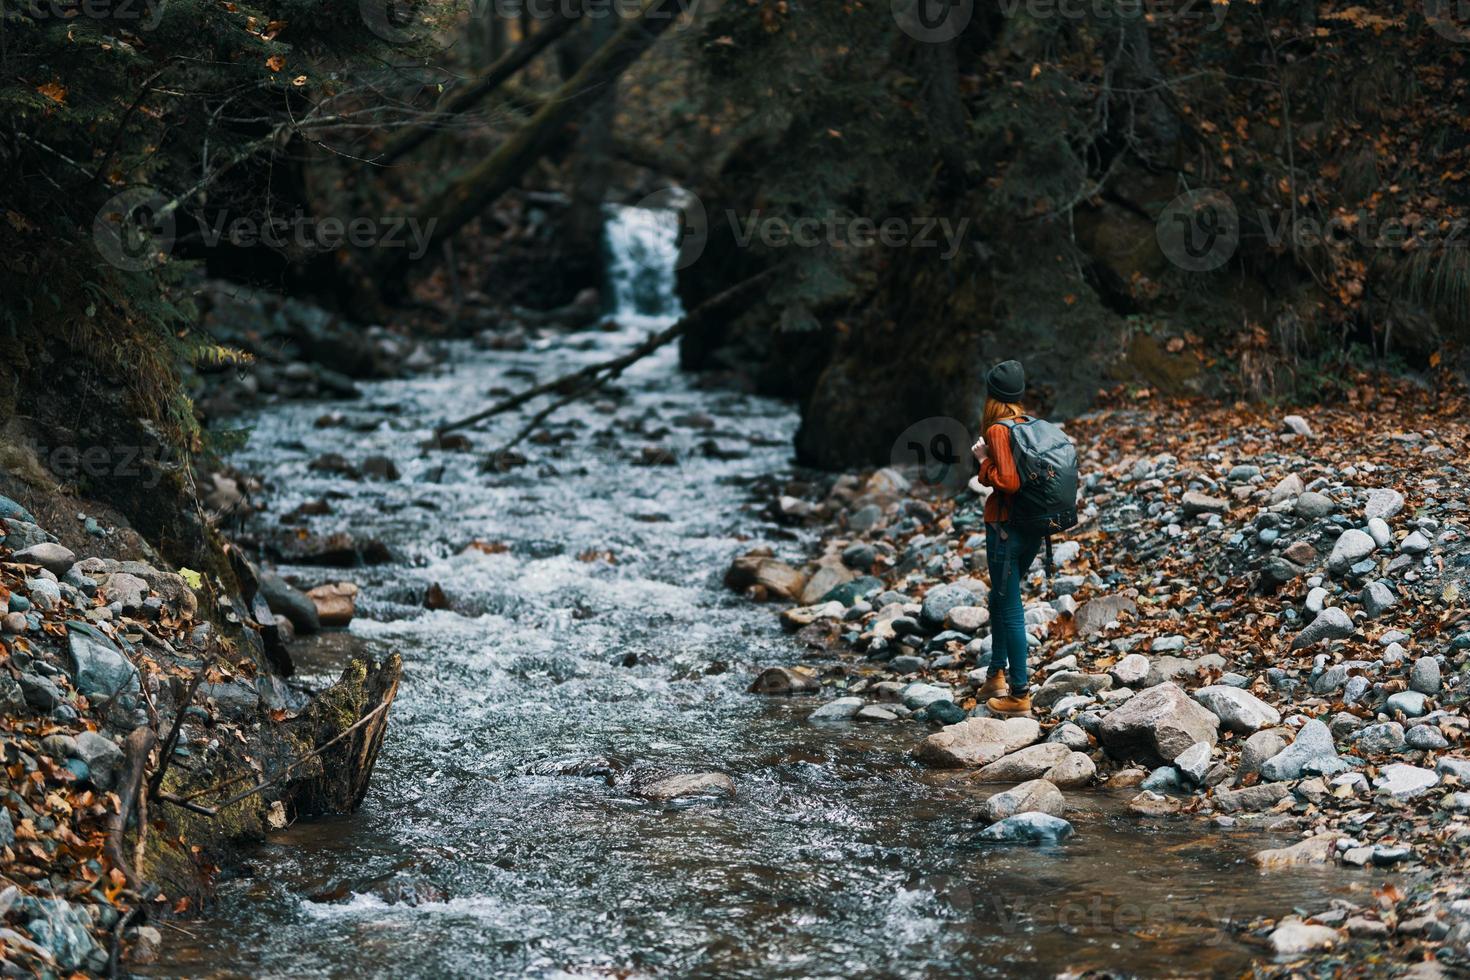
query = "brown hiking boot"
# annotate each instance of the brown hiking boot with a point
(994, 686)
(1009, 705)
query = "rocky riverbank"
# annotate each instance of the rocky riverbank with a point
(1260, 622)
(147, 730)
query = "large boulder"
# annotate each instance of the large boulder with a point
(1157, 724)
(1033, 796)
(1239, 710)
(99, 668)
(976, 741)
(1031, 762)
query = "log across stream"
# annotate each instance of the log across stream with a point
(590, 649)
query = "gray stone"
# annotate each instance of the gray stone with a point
(102, 757)
(875, 713)
(1403, 781)
(1195, 502)
(1164, 779)
(1157, 723)
(1077, 769)
(1194, 762)
(1331, 624)
(1408, 703)
(1450, 766)
(1032, 796)
(968, 619)
(907, 664)
(1261, 796)
(1425, 677)
(1316, 600)
(1072, 736)
(64, 931)
(841, 709)
(917, 695)
(1312, 505)
(1415, 544)
(1066, 682)
(1131, 670)
(1379, 531)
(53, 557)
(1238, 710)
(39, 692)
(1426, 737)
(1377, 598)
(1292, 937)
(1383, 504)
(1287, 488)
(1381, 739)
(940, 600)
(1352, 546)
(99, 668)
(1297, 425)
(1031, 762)
(1314, 741)
(1095, 614)
(1026, 828)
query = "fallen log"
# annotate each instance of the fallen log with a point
(595, 375)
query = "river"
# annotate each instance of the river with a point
(589, 642)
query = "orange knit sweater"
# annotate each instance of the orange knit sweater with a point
(999, 471)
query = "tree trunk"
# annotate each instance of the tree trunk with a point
(467, 197)
(471, 96)
(581, 239)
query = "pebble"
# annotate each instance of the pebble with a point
(1425, 677)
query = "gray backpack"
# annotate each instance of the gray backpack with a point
(1046, 460)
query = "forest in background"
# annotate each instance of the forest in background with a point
(1237, 200)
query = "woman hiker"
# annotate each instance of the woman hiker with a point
(1009, 551)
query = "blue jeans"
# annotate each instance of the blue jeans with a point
(1009, 553)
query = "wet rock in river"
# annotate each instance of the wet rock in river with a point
(977, 741)
(758, 570)
(1026, 828)
(1031, 762)
(1313, 850)
(784, 680)
(1293, 937)
(1262, 796)
(1032, 796)
(336, 603)
(842, 709)
(687, 785)
(293, 604)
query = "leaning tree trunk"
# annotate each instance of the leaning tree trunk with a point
(469, 97)
(467, 197)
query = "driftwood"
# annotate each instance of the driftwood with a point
(463, 200)
(571, 386)
(136, 748)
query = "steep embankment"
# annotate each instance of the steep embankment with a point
(1261, 619)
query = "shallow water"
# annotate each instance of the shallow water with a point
(477, 853)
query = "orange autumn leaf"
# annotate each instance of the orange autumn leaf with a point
(275, 62)
(54, 91)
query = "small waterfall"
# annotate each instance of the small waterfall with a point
(642, 247)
